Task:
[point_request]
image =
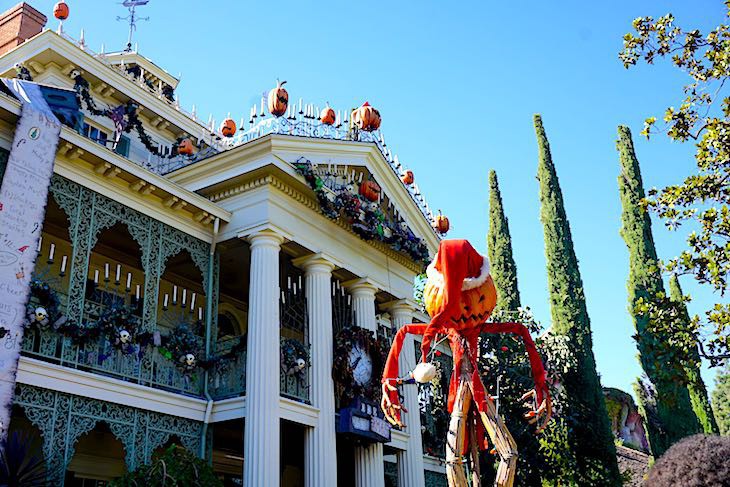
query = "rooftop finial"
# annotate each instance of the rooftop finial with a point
(132, 18)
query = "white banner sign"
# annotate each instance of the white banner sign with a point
(23, 196)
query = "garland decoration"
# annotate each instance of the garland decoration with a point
(346, 388)
(125, 116)
(366, 216)
(295, 358)
(42, 309)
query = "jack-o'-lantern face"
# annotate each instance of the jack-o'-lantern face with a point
(185, 147)
(228, 127)
(476, 304)
(278, 99)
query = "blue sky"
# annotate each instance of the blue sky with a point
(457, 84)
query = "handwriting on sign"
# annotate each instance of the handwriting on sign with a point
(23, 193)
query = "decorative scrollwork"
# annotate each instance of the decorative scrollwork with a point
(64, 418)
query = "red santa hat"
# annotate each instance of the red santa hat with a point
(457, 267)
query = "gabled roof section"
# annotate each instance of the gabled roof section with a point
(50, 50)
(223, 173)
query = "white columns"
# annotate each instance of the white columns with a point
(363, 303)
(410, 461)
(320, 461)
(261, 440)
(369, 467)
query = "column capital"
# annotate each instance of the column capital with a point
(315, 263)
(265, 238)
(361, 286)
(400, 306)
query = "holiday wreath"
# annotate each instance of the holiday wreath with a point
(43, 306)
(294, 358)
(346, 387)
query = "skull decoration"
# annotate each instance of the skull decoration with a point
(124, 336)
(190, 360)
(300, 364)
(75, 73)
(41, 315)
(404, 226)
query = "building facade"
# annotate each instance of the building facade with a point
(201, 297)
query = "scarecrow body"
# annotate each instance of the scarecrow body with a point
(460, 296)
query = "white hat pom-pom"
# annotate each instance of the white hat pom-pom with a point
(424, 372)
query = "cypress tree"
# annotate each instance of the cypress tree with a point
(499, 251)
(675, 418)
(511, 365)
(589, 432)
(695, 385)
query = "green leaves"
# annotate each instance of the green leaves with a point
(703, 198)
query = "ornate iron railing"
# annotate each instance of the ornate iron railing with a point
(228, 377)
(101, 357)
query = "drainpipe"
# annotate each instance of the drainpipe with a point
(208, 324)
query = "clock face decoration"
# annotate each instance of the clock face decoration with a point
(361, 364)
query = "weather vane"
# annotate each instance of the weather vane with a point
(132, 18)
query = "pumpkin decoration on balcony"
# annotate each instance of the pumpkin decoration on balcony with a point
(60, 11)
(228, 127)
(370, 190)
(278, 99)
(185, 147)
(366, 118)
(441, 223)
(407, 177)
(327, 115)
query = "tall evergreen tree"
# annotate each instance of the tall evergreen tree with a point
(675, 418)
(499, 251)
(510, 366)
(589, 431)
(695, 385)
(721, 400)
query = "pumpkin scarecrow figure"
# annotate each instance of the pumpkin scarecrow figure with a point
(460, 296)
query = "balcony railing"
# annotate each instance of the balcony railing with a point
(101, 357)
(228, 377)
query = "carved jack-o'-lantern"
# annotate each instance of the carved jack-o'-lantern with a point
(407, 177)
(366, 118)
(327, 115)
(278, 99)
(185, 147)
(60, 11)
(441, 223)
(228, 127)
(370, 190)
(478, 297)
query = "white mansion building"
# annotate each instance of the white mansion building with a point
(240, 265)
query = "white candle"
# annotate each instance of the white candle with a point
(40, 241)
(129, 281)
(184, 296)
(262, 106)
(165, 301)
(118, 275)
(192, 301)
(300, 105)
(106, 271)
(200, 314)
(174, 294)
(63, 264)
(96, 276)
(136, 292)
(52, 252)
